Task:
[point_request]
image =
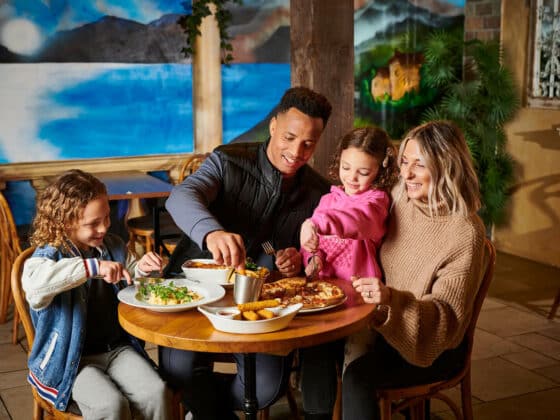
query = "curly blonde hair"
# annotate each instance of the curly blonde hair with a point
(61, 205)
(377, 143)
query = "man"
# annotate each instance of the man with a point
(242, 195)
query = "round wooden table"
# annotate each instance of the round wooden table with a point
(190, 330)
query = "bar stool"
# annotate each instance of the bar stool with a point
(141, 229)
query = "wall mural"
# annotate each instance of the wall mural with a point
(84, 79)
(388, 42)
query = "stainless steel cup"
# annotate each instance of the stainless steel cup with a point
(246, 289)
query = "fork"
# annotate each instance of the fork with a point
(268, 248)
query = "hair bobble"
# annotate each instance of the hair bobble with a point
(388, 154)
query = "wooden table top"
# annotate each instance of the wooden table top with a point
(135, 184)
(191, 330)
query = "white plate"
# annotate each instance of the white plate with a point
(209, 292)
(208, 275)
(324, 308)
(226, 324)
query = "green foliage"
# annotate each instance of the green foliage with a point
(191, 24)
(480, 103)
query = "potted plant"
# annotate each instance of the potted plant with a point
(480, 97)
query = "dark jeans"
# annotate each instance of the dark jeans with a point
(384, 367)
(212, 396)
(319, 378)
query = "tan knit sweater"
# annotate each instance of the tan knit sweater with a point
(434, 267)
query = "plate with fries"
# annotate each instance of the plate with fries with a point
(233, 319)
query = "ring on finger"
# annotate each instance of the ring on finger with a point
(370, 294)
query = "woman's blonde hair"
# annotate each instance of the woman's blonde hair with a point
(61, 205)
(377, 143)
(454, 184)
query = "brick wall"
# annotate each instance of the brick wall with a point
(482, 19)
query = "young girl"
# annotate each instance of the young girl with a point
(341, 240)
(71, 280)
(342, 237)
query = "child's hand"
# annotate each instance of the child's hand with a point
(150, 262)
(113, 272)
(308, 236)
(314, 267)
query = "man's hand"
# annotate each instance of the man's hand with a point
(227, 248)
(288, 262)
(113, 272)
(308, 236)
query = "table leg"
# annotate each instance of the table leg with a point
(250, 377)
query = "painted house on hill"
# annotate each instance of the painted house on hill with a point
(402, 75)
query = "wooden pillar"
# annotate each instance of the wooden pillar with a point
(207, 86)
(322, 58)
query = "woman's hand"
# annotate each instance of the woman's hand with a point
(308, 236)
(150, 262)
(288, 262)
(372, 290)
(113, 272)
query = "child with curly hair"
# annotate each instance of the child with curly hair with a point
(80, 351)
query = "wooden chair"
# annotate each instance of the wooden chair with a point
(414, 397)
(10, 248)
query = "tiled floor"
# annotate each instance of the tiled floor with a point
(516, 359)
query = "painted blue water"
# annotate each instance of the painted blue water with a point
(125, 110)
(143, 110)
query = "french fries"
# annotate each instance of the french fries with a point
(258, 305)
(253, 311)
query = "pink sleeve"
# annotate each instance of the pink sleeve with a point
(356, 219)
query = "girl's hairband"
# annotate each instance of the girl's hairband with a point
(388, 154)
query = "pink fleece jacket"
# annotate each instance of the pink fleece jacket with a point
(350, 229)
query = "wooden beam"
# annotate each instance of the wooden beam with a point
(207, 86)
(322, 58)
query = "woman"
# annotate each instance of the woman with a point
(432, 260)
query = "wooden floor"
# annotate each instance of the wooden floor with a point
(516, 359)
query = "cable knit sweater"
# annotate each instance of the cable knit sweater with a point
(433, 266)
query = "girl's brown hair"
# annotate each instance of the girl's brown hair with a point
(377, 143)
(61, 205)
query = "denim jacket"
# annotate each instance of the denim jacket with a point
(55, 284)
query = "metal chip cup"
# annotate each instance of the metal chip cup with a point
(246, 289)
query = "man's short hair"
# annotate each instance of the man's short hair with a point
(309, 102)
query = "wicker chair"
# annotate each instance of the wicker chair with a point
(10, 248)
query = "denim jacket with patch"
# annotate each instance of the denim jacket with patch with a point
(55, 284)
